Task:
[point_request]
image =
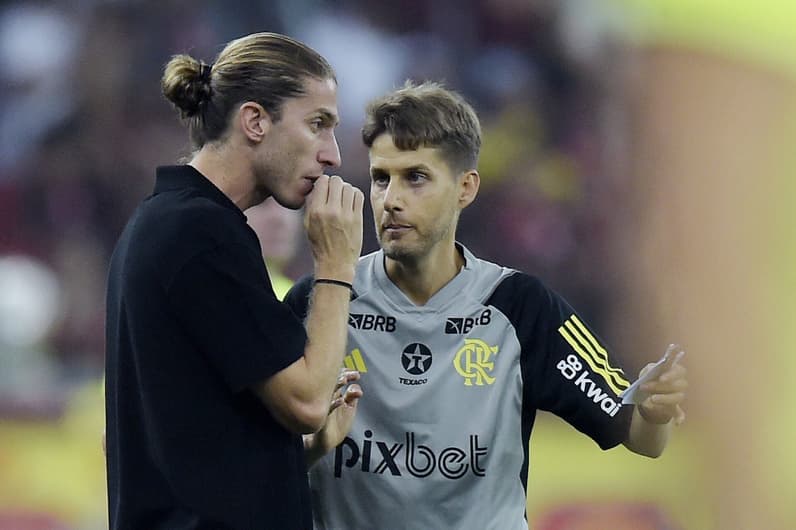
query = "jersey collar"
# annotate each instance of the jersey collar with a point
(173, 178)
(451, 291)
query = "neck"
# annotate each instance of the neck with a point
(229, 170)
(420, 279)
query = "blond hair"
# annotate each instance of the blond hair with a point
(266, 68)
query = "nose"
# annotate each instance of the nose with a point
(392, 196)
(329, 155)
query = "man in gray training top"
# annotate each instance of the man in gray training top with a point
(457, 354)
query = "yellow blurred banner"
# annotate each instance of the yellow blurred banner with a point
(763, 31)
(716, 152)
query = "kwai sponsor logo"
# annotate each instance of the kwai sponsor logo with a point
(585, 344)
(571, 368)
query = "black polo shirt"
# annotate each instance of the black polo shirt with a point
(192, 324)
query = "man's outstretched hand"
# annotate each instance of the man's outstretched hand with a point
(667, 391)
(342, 410)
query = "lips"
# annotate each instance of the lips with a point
(391, 222)
(310, 184)
(395, 229)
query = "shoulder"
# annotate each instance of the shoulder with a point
(299, 295)
(365, 274)
(525, 300)
(519, 287)
(190, 224)
(501, 286)
(167, 235)
(195, 214)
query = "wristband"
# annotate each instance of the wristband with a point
(330, 281)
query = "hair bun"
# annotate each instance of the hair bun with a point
(187, 84)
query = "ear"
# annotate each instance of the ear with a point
(254, 121)
(469, 182)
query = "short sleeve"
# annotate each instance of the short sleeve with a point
(298, 297)
(224, 300)
(565, 367)
(575, 375)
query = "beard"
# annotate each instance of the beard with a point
(276, 174)
(401, 253)
(409, 252)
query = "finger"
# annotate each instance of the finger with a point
(673, 354)
(348, 197)
(346, 377)
(348, 374)
(359, 200)
(338, 386)
(335, 404)
(352, 394)
(351, 376)
(665, 387)
(668, 374)
(668, 399)
(675, 372)
(665, 390)
(679, 416)
(320, 191)
(335, 191)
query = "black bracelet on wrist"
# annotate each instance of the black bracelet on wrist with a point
(330, 281)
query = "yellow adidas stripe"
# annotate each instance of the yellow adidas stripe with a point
(359, 362)
(354, 361)
(602, 361)
(606, 369)
(595, 343)
(586, 357)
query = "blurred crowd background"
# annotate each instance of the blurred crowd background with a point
(638, 156)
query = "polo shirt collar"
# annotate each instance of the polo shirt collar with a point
(448, 294)
(173, 178)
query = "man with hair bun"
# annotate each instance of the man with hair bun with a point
(210, 380)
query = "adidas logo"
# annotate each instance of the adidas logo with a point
(354, 361)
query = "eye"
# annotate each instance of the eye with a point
(315, 125)
(380, 178)
(416, 177)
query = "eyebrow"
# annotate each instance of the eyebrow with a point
(419, 167)
(376, 170)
